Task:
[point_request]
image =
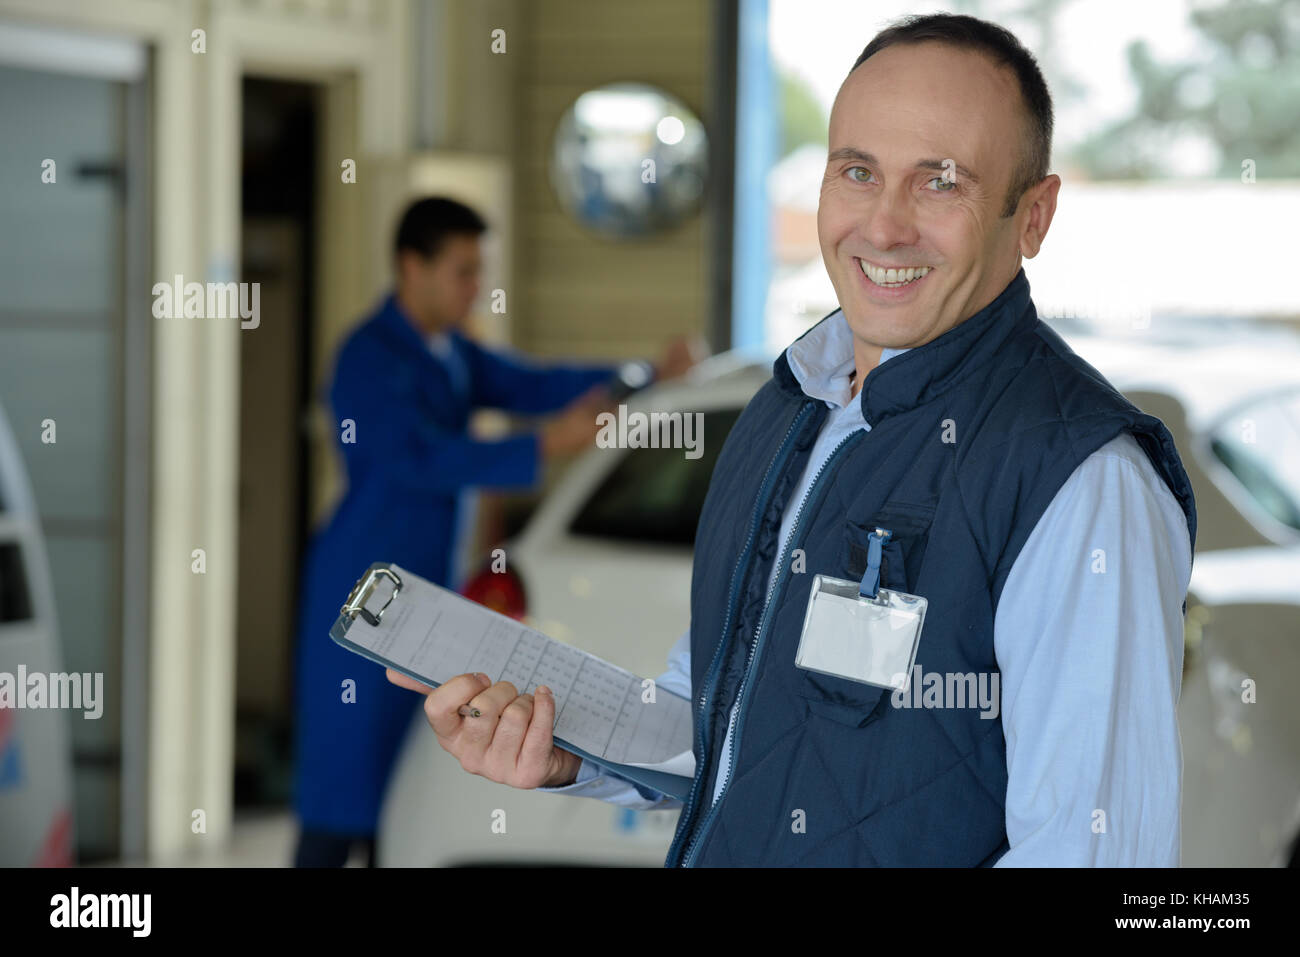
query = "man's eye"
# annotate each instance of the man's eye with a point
(863, 168)
(948, 185)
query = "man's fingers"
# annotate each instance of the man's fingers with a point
(539, 742)
(476, 733)
(397, 678)
(443, 704)
(503, 755)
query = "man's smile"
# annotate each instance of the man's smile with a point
(891, 284)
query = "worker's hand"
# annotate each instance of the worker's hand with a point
(678, 358)
(510, 741)
(574, 429)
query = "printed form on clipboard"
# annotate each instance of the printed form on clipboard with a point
(432, 634)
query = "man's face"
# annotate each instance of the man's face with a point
(885, 200)
(442, 289)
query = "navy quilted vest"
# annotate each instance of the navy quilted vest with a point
(868, 783)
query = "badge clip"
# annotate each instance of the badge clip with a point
(870, 587)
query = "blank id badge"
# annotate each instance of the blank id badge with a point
(860, 631)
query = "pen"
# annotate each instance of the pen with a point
(465, 711)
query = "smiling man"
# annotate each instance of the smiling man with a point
(936, 185)
(1048, 523)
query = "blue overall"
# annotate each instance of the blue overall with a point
(401, 416)
(972, 434)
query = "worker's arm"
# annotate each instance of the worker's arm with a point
(381, 431)
(1089, 641)
(595, 781)
(503, 379)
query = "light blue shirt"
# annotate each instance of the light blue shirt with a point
(1088, 636)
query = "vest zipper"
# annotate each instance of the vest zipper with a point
(756, 645)
(702, 738)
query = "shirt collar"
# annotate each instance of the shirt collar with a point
(439, 344)
(925, 371)
(400, 325)
(822, 360)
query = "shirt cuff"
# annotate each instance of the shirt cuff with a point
(587, 772)
(594, 781)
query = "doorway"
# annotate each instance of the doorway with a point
(279, 143)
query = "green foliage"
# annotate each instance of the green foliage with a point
(802, 118)
(1242, 97)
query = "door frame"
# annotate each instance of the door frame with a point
(122, 60)
(361, 61)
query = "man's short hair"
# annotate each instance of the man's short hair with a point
(1002, 47)
(427, 223)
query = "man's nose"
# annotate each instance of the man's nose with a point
(889, 222)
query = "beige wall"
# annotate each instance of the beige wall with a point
(572, 293)
(577, 294)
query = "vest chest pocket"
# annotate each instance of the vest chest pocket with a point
(841, 699)
(900, 563)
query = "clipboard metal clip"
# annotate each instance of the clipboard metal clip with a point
(356, 603)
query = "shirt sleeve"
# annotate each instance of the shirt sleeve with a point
(1089, 641)
(504, 379)
(595, 781)
(389, 436)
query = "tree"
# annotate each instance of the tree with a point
(802, 118)
(1238, 99)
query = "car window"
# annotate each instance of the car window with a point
(1260, 445)
(655, 495)
(15, 602)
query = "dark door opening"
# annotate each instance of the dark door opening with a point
(278, 211)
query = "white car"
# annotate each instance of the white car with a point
(1230, 394)
(36, 811)
(605, 564)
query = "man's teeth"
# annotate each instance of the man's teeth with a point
(892, 277)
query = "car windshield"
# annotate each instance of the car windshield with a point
(1260, 445)
(656, 495)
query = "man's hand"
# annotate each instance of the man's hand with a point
(678, 359)
(510, 741)
(574, 429)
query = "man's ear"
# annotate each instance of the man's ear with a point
(409, 265)
(1039, 206)
(402, 266)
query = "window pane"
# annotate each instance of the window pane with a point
(655, 495)
(1261, 447)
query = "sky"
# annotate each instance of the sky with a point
(820, 39)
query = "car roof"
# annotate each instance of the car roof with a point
(730, 377)
(1264, 574)
(1210, 366)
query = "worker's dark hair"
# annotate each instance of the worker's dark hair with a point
(427, 223)
(1002, 47)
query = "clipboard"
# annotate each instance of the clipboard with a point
(600, 714)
